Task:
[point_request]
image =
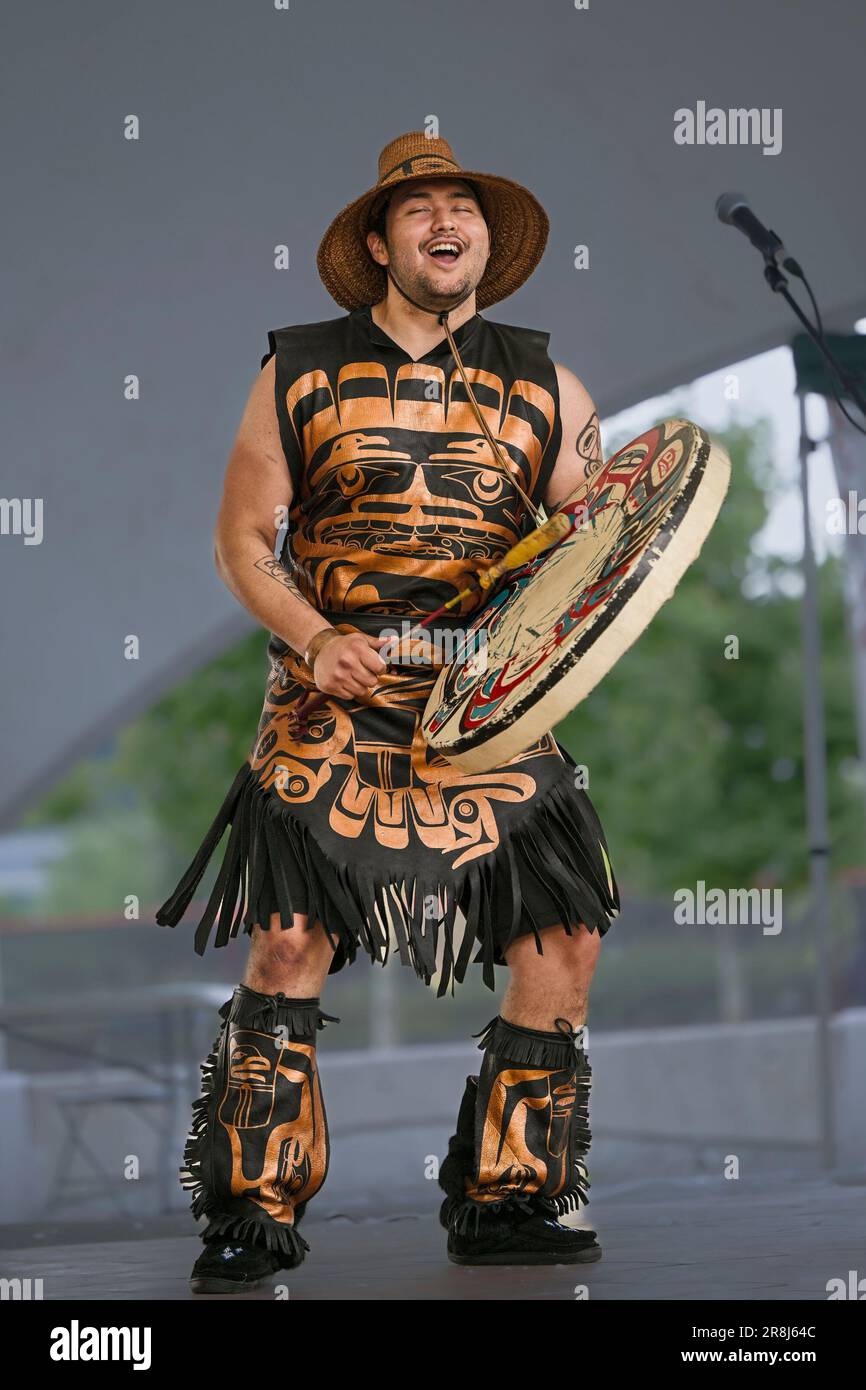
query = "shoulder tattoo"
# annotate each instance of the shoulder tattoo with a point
(589, 444)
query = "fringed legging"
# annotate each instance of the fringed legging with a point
(258, 1149)
(523, 1128)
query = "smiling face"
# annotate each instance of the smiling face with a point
(436, 240)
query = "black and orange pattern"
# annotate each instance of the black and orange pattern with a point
(356, 821)
(398, 497)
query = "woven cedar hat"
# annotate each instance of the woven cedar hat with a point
(516, 221)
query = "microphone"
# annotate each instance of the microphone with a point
(734, 209)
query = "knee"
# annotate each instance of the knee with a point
(288, 959)
(580, 949)
(567, 958)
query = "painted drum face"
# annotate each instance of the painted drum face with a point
(554, 628)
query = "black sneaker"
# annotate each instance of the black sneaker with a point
(232, 1266)
(515, 1238)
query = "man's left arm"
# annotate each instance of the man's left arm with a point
(580, 448)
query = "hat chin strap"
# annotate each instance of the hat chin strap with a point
(442, 316)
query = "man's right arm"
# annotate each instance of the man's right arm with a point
(257, 495)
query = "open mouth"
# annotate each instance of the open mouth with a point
(445, 252)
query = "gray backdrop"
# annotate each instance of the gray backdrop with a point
(155, 257)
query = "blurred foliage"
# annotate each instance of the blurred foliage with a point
(108, 857)
(174, 764)
(182, 755)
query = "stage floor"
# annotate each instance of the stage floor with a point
(696, 1238)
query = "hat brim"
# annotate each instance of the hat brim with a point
(516, 221)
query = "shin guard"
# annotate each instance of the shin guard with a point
(523, 1127)
(258, 1148)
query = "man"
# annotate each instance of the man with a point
(408, 443)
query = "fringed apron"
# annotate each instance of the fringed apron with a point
(355, 821)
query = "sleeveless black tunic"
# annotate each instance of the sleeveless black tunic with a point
(356, 822)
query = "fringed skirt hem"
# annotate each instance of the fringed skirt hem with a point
(553, 855)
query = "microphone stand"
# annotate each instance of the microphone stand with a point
(814, 731)
(778, 283)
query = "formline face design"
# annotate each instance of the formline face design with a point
(403, 499)
(525, 1134)
(273, 1122)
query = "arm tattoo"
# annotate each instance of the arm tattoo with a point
(271, 565)
(589, 445)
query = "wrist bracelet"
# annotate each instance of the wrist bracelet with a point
(316, 644)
